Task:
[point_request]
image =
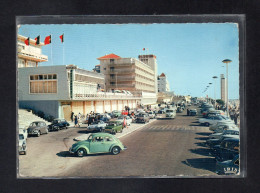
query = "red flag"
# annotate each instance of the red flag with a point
(37, 40)
(27, 41)
(62, 38)
(143, 49)
(47, 40)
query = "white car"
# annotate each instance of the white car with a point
(212, 120)
(151, 114)
(22, 144)
(225, 132)
(24, 132)
(221, 123)
(97, 126)
(128, 119)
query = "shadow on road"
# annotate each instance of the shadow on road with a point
(195, 125)
(201, 151)
(202, 163)
(86, 131)
(64, 154)
(202, 138)
(204, 133)
(201, 144)
(67, 154)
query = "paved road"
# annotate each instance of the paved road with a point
(161, 148)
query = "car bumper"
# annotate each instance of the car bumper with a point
(71, 152)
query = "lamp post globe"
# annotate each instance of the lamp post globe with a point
(227, 61)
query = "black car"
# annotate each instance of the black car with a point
(58, 124)
(227, 150)
(228, 167)
(212, 142)
(193, 112)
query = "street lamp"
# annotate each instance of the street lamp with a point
(214, 77)
(210, 84)
(226, 61)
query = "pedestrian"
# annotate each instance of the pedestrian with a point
(89, 120)
(72, 116)
(188, 111)
(124, 123)
(76, 120)
(236, 117)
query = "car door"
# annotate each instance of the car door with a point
(108, 142)
(97, 145)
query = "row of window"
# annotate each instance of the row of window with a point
(140, 76)
(43, 87)
(43, 77)
(145, 71)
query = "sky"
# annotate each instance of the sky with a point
(189, 54)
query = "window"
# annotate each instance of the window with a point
(112, 61)
(43, 83)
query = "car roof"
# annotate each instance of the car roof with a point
(102, 134)
(232, 139)
(38, 122)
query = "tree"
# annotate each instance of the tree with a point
(220, 102)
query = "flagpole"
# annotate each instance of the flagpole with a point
(51, 51)
(63, 47)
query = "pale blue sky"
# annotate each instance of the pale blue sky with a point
(189, 54)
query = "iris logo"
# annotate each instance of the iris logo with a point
(230, 170)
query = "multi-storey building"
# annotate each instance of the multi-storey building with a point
(29, 55)
(135, 75)
(223, 87)
(163, 83)
(60, 90)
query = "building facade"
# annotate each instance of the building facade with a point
(135, 75)
(60, 90)
(223, 87)
(163, 83)
(29, 55)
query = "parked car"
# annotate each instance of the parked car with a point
(24, 132)
(193, 112)
(128, 119)
(97, 126)
(58, 124)
(212, 120)
(170, 113)
(142, 118)
(212, 142)
(151, 114)
(221, 123)
(116, 113)
(227, 150)
(114, 127)
(22, 144)
(97, 143)
(37, 128)
(228, 167)
(225, 132)
(222, 128)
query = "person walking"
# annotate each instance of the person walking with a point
(72, 116)
(76, 120)
(124, 123)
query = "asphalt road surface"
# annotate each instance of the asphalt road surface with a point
(173, 147)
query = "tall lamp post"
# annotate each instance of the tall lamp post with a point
(214, 77)
(210, 84)
(226, 61)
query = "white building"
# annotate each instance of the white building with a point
(60, 90)
(163, 83)
(135, 75)
(29, 55)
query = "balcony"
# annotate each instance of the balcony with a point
(122, 71)
(104, 96)
(121, 85)
(32, 56)
(121, 78)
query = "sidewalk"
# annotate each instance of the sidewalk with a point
(133, 127)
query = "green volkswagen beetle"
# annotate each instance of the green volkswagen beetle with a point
(114, 127)
(97, 143)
